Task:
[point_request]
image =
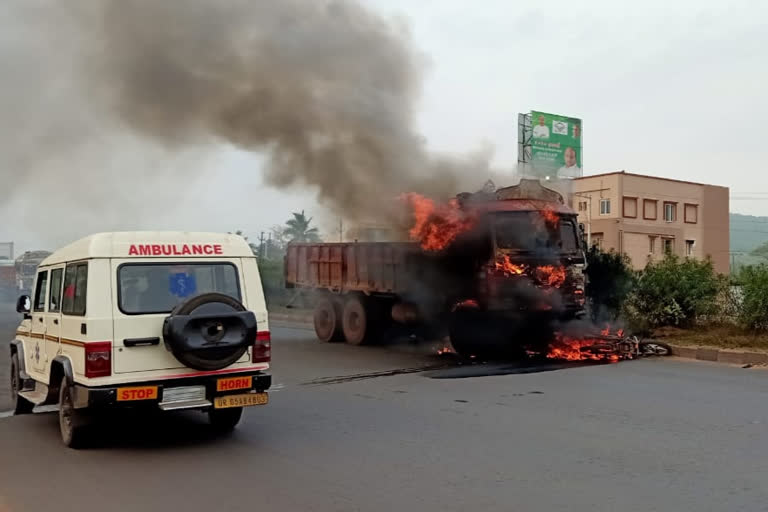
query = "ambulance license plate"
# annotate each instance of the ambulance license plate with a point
(137, 393)
(244, 400)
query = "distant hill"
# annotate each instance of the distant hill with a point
(747, 232)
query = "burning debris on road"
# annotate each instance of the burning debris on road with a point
(606, 346)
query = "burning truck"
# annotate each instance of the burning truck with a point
(498, 269)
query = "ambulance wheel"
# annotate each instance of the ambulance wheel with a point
(327, 320)
(71, 421)
(20, 404)
(225, 420)
(356, 321)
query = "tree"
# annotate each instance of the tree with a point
(254, 247)
(761, 251)
(610, 279)
(298, 229)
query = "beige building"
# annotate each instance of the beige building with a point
(645, 216)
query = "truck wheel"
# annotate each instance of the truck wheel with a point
(225, 420)
(327, 319)
(71, 421)
(20, 404)
(462, 334)
(356, 321)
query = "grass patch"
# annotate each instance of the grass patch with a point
(717, 336)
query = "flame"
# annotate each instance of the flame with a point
(436, 225)
(508, 268)
(445, 350)
(551, 275)
(572, 349)
(550, 217)
(607, 332)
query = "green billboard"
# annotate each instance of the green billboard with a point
(555, 146)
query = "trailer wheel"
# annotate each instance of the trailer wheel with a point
(327, 319)
(356, 321)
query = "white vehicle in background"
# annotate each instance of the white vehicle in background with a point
(26, 267)
(166, 320)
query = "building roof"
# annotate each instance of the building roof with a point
(171, 243)
(646, 176)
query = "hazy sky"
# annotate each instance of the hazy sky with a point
(675, 89)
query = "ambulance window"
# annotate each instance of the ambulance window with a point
(54, 303)
(75, 289)
(158, 288)
(42, 285)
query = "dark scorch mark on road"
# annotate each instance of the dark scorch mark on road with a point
(457, 370)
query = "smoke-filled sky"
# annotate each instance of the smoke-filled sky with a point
(228, 115)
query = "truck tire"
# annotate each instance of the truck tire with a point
(356, 321)
(209, 332)
(72, 422)
(462, 334)
(20, 404)
(327, 320)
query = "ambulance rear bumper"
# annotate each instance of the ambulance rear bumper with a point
(167, 392)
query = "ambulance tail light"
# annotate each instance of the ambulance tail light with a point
(262, 348)
(98, 359)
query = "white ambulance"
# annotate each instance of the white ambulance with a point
(168, 320)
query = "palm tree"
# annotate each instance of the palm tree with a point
(298, 229)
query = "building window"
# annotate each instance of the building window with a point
(630, 207)
(582, 206)
(649, 209)
(651, 244)
(670, 212)
(597, 240)
(605, 207)
(689, 248)
(691, 213)
(669, 245)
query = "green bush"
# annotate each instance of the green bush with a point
(753, 311)
(674, 292)
(273, 281)
(609, 281)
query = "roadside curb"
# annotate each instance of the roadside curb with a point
(717, 355)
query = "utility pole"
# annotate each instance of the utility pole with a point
(341, 230)
(261, 246)
(266, 250)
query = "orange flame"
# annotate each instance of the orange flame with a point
(550, 217)
(466, 304)
(573, 349)
(445, 350)
(509, 268)
(436, 225)
(551, 275)
(606, 331)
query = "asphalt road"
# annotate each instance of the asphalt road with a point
(355, 428)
